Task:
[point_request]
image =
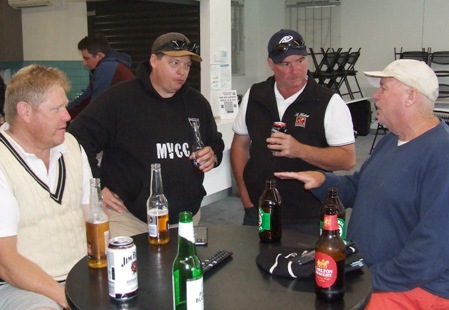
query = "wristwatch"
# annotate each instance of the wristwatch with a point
(216, 161)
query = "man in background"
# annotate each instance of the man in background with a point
(319, 134)
(107, 67)
(400, 195)
(44, 183)
(149, 120)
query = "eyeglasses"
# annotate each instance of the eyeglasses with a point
(283, 47)
(178, 45)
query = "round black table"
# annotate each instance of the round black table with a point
(235, 284)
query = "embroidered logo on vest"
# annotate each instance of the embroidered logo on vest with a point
(301, 119)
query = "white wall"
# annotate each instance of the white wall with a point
(262, 19)
(53, 33)
(380, 26)
(214, 37)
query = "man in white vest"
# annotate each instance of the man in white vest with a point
(44, 186)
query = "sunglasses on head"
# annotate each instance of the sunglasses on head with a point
(178, 45)
(283, 47)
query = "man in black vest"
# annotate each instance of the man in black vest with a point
(319, 134)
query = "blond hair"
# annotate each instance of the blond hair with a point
(31, 84)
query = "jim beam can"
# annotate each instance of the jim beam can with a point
(122, 268)
(279, 127)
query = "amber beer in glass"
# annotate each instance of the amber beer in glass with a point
(97, 228)
(159, 234)
(157, 209)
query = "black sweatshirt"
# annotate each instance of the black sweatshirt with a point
(134, 127)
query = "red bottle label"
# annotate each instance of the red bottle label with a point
(325, 270)
(330, 222)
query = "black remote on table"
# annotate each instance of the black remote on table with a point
(215, 259)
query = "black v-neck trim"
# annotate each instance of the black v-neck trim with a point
(57, 196)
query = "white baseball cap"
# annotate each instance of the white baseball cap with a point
(413, 73)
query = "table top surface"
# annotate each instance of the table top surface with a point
(235, 284)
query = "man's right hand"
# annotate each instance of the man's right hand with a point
(311, 179)
(112, 200)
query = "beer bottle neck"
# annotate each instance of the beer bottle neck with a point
(156, 180)
(330, 223)
(186, 239)
(197, 142)
(96, 213)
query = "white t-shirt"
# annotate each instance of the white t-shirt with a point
(9, 208)
(337, 118)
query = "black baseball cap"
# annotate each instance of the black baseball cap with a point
(284, 43)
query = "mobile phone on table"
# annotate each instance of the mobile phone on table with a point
(200, 235)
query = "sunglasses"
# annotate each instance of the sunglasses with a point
(283, 47)
(178, 45)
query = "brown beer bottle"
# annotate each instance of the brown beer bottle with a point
(330, 259)
(97, 228)
(332, 198)
(157, 209)
(270, 213)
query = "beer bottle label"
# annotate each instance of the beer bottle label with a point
(342, 228)
(195, 298)
(153, 226)
(325, 270)
(264, 220)
(330, 222)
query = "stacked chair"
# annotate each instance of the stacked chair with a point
(423, 55)
(325, 69)
(437, 60)
(334, 69)
(350, 71)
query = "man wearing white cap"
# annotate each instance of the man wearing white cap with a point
(400, 196)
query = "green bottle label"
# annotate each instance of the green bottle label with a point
(264, 220)
(342, 228)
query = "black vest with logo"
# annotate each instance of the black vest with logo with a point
(305, 122)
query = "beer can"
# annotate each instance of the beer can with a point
(279, 127)
(122, 268)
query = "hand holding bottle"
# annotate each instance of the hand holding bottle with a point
(205, 157)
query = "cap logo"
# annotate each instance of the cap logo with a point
(286, 39)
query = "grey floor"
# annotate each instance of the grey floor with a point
(230, 211)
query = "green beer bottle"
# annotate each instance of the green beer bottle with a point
(187, 269)
(270, 213)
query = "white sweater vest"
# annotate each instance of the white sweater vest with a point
(51, 229)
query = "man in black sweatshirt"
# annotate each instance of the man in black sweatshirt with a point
(149, 120)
